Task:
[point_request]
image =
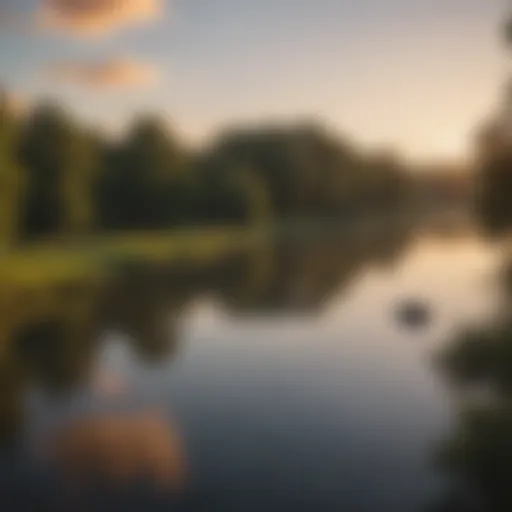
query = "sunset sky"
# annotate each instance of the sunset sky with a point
(417, 75)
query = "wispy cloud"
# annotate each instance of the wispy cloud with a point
(91, 18)
(108, 74)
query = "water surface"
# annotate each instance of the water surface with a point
(284, 374)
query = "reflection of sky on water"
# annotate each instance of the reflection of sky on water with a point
(327, 406)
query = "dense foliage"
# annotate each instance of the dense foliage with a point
(494, 178)
(493, 191)
(60, 178)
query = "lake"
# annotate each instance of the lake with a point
(280, 380)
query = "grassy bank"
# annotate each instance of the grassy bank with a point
(73, 259)
(55, 261)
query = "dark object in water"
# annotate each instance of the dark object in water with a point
(414, 314)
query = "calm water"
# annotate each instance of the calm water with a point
(287, 379)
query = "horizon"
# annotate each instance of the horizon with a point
(386, 74)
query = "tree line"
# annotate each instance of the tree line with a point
(61, 178)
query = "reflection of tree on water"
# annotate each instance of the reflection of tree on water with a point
(299, 281)
(479, 458)
(303, 274)
(57, 350)
(146, 302)
(10, 403)
(47, 338)
(478, 454)
(39, 342)
(146, 309)
(50, 334)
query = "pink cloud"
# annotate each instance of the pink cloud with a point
(107, 74)
(92, 18)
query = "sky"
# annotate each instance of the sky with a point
(417, 76)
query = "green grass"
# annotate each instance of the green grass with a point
(77, 259)
(73, 259)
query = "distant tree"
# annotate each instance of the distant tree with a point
(226, 193)
(281, 159)
(11, 177)
(494, 167)
(494, 187)
(259, 210)
(310, 173)
(148, 180)
(139, 174)
(386, 185)
(60, 163)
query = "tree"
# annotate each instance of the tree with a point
(310, 173)
(271, 152)
(77, 180)
(138, 176)
(385, 185)
(494, 186)
(11, 177)
(60, 163)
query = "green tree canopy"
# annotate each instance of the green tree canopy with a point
(60, 163)
(11, 177)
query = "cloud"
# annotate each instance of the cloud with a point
(91, 18)
(107, 74)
